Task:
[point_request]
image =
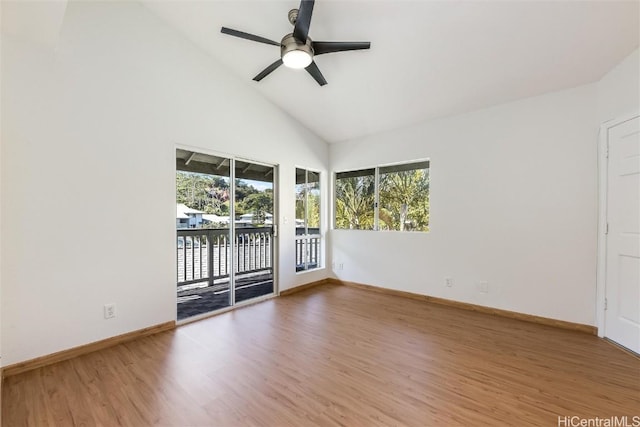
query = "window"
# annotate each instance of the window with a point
(355, 199)
(404, 197)
(307, 192)
(393, 197)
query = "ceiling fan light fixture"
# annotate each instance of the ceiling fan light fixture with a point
(295, 54)
(296, 59)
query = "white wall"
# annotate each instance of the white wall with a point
(513, 202)
(619, 89)
(88, 143)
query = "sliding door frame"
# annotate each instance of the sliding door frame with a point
(275, 249)
(275, 236)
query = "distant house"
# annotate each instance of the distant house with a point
(301, 228)
(247, 220)
(215, 219)
(187, 217)
(182, 220)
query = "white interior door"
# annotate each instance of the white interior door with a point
(622, 286)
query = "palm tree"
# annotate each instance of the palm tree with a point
(404, 196)
(354, 202)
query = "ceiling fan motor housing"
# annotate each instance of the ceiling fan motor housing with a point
(290, 43)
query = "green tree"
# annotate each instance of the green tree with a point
(404, 200)
(243, 189)
(313, 201)
(354, 202)
(259, 204)
(308, 204)
(206, 193)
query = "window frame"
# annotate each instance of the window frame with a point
(354, 173)
(376, 206)
(306, 237)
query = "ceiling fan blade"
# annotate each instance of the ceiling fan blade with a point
(329, 47)
(316, 74)
(303, 21)
(248, 36)
(264, 73)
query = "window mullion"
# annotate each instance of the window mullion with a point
(305, 241)
(376, 200)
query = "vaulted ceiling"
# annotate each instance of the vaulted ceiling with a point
(427, 59)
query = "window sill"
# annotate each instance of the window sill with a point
(309, 271)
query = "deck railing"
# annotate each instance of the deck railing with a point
(307, 252)
(307, 248)
(253, 253)
(203, 254)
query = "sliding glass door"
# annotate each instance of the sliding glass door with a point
(254, 230)
(220, 225)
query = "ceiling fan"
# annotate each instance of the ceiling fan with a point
(297, 49)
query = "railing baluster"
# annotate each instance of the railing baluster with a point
(219, 245)
(193, 257)
(265, 249)
(227, 253)
(256, 248)
(245, 252)
(184, 258)
(210, 245)
(200, 260)
(252, 243)
(237, 253)
(314, 251)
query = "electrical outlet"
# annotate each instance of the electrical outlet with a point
(483, 286)
(341, 266)
(109, 311)
(448, 281)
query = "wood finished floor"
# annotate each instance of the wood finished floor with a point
(335, 355)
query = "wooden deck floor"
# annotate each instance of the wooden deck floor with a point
(335, 355)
